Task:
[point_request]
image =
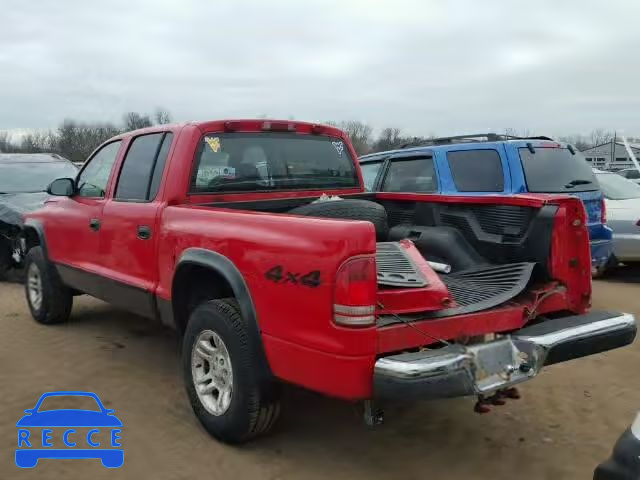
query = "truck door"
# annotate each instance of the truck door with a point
(129, 235)
(73, 231)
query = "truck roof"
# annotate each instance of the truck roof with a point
(247, 125)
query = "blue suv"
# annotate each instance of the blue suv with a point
(491, 164)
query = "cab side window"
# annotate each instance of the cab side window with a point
(142, 168)
(92, 181)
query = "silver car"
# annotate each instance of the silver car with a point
(622, 200)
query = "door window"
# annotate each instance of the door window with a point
(369, 174)
(476, 170)
(92, 181)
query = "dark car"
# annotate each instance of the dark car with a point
(23, 183)
(624, 462)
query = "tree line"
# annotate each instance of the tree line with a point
(76, 140)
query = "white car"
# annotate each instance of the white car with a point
(631, 174)
(622, 200)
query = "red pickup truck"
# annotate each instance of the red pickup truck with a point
(256, 240)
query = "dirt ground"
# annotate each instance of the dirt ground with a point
(563, 426)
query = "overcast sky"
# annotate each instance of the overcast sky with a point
(425, 66)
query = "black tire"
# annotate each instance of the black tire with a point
(349, 209)
(57, 300)
(5, 258)
(255, 403)
(603, 270)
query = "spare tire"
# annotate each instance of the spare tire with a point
(349, 209)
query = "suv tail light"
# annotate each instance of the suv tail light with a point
(603, 211)
(354, 303)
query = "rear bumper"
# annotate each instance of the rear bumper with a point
(458, 370)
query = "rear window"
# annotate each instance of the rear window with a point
(411, 175)
(476, 170)
(241, 162)
(556, 170)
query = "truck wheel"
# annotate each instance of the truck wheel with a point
(49, 300)
(349, 209)
(220, 369)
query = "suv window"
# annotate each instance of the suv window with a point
(92, 181)
(411, 175)
(369, 173)
(476, 170)
(556, 170)
(241, 162)
(144, 161)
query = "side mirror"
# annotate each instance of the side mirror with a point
(29, 410)
(64, 187)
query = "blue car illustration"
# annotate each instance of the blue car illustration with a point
(34, 445)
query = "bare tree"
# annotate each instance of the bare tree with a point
(161, 116)
(577, 140)
(358, 132)
(514, 132)
(388, 139)
(135, 120)
(6, 146)
(76, 141)
(600, 136)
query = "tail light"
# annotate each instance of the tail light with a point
(603, 211)
(355, 293)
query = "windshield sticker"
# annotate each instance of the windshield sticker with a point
(214, 143)
(226, 172)
(339, 146)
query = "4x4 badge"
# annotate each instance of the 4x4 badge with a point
(278, 274)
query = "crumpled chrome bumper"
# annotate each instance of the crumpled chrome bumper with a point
(461, 370)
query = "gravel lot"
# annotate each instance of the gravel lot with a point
(563, 426)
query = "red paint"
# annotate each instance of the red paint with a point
(434, 296)
(303, 344)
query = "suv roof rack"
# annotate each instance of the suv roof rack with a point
(472, 138)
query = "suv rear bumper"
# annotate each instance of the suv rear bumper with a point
(601, 251)
(459, 370)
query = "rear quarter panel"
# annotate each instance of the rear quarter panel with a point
(257, 242)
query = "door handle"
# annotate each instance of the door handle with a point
(94, 224)
(144, 232)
